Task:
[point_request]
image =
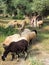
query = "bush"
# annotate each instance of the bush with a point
(20, 16)
(8, 31)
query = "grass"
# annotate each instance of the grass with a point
(43, 39)
(34, 61)
(2, 38)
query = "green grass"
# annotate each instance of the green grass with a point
(34, 61)
(2, 38)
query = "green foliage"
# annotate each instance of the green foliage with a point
(38, 6)
(26, 6)
(8, 31)
(18, 17)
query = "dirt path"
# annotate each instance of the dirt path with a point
(36, 53)
(42, 57)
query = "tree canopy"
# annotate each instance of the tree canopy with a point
(24, 7)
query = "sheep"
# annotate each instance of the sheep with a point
(39, 20)
(27, 30)
(16, 47)
(9, 39)
(12, 23)
(36, 21)
(21, 24)
(29, 34)
(39, 23)
(33, 34)
(25, 34)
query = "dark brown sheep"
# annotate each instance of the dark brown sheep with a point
(16, 47)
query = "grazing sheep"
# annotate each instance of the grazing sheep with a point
(39, 23)
(12, 23)
(21, 24)
(10, 39)
(16, 47)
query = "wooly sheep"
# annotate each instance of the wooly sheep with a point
(39, 23)
(33, 34)
(29, 34)
(10, 39)
(16, 47)
(26, 30)
(21, 24)
(25, 33)
(12, 23)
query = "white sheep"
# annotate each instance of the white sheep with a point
(11, 38)
(29, 34)
(39, 23)
(12, 23)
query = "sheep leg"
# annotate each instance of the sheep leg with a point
(5, 54)
(17, 56)
(30, 41)
(13, 56)
(25, 53)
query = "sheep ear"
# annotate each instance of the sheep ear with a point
(35, 31)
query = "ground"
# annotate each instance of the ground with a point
(38, 51)
(36, 54)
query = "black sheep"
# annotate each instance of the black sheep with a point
(16, 47)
